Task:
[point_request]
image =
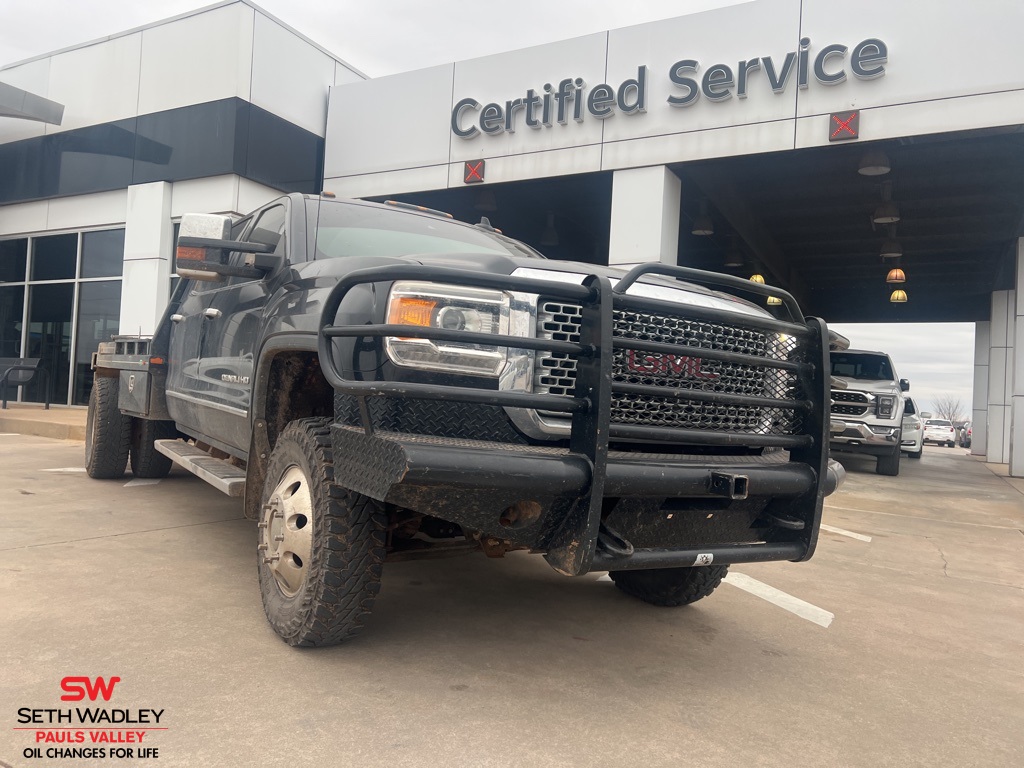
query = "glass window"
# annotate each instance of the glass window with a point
(352, 229)
(13, 255)
(191, 142)
(103, 253)
(54, 257)
(49, 338)
(99, 308)
(861, 366)
(269, 228)
(89, 159)
(282, 155)
(12, 305)
(22, 177)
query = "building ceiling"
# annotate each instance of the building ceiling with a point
(804, 219)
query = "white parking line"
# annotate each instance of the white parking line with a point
(66, 470)
(606, 577)
(9, 434)
(141, 481)
(844, 532)
(787, 602)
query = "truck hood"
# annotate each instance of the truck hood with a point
(881, 386)
(652, 286)
(325, 271)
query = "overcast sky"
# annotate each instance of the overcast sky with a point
(381, 38)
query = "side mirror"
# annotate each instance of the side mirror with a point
(905, 385)
(203, 248)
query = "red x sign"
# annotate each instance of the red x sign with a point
(474, 172)
(843, 126)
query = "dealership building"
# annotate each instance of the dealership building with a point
(830, 147)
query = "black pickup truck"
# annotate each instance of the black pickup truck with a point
(380, 382)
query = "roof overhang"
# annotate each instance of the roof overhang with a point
(17, 103)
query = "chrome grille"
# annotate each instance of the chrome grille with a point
(556, 372)
(849, 403)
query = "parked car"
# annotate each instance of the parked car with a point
(912, 442)
(965, 435)
(940, 431)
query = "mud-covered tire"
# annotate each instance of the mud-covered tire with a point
(326, 597)
(146, 461)
(889, 465)
(670, 586)
(107, 432)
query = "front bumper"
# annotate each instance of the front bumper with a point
(476, 484)
(564, 500)
(860, 438)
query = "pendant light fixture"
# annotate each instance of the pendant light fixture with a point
(874, 162)
(888, 212)
(896, 275)
(891, 248)
(774, 301)
(733, 256)
(703, 225)
(899, 296)
(757, 278)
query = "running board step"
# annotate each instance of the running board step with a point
(225, 477)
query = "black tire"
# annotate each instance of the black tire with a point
(889, 465)
(107, 432)
(670, 586)
(950, 444)
(916, 454)
(335, 587)
(146, 461)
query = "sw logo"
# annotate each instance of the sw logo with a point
(79, 687)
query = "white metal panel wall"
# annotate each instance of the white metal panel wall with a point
(949, 67)
(290, 76)
(937, 50)
(391, 123)
(727, 36)
(96, 84)
(197, 59)
(508, 76)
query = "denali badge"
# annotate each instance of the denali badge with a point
(231, 378)
(667, 365)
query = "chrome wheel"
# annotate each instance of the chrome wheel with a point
(286, 531)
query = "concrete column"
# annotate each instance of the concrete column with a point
(147, 257)
(979, 410)
(645, 216)
(1000, 377)
(1016, 447)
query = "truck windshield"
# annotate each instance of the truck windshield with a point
(860, 366)
(350, 229)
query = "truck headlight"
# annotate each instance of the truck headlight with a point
(451, 307)
(885, 406)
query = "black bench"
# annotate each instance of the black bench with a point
(16, 371)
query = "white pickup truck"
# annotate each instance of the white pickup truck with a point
(870, 406)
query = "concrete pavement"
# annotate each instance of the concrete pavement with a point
(476, 662)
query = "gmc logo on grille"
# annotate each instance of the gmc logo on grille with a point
(667, 365)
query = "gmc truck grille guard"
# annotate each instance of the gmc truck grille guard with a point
(737, 380)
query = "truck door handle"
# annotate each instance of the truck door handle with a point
(211, 314)
(177, 318)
